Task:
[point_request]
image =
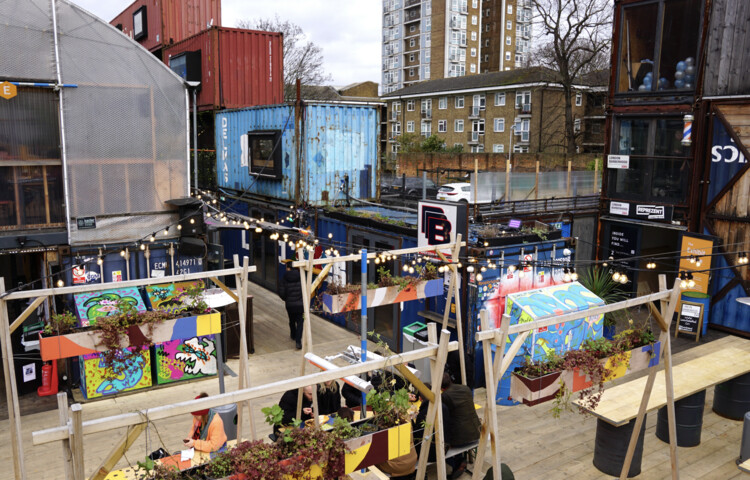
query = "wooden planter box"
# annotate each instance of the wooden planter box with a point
(539, 390)
(347, 302)
(84, 343)
(367, 450)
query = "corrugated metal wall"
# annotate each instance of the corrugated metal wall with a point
(338, 140)
(153, 40)
(728, 49)
(239, 68)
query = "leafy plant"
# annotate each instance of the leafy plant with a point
(192, 296)
(60, 323)
(600, 283)
(551, 363)
(220, 466)
(587, 363)
(390, 408)
(344, 429)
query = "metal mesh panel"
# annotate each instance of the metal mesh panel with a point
(113, 230)
(125, 124)
(27, 32)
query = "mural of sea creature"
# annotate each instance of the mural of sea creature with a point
(92, 305)
(129, 378)
(198, 357)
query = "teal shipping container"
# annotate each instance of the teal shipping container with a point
(256, 152)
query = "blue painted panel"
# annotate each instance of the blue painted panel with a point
(338, 141)
(727, 311)
(726, 159)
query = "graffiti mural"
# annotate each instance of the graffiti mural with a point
(94, 381)
(93, 305)
(185, 359)
(166, 297)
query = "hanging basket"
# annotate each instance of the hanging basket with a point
(347, 302)
(84, 343)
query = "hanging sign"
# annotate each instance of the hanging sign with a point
(86, 223)
(618, 161)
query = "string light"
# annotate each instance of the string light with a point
(60, 283)
(479, 277)
(470, 268)
(179, 227)
(616, 276)
(573, 274)
(166, 231)
(152, 238)
(122, 253)
(566, 275)
(143, 246)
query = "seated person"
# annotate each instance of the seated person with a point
(207, 433)
(418, 425)
(329, 398)
(288, 404)
(352, 396)
(461, 425)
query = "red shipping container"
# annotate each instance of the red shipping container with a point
(169, 21)
(239, 68)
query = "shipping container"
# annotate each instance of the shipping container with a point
(165, 22)
(256, 152)
(237, 68)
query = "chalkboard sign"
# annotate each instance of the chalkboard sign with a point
(690, 320)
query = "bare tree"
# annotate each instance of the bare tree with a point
(575, 39)
(303, 59)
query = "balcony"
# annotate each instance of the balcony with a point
(525, 108)
(474, 112)
(411, 3)
(427, 115)
(476, 138)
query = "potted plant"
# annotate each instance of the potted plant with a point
(600, 283)
(60, 323)
(389, 289)
(537, 381)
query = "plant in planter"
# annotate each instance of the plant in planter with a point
(536, 381)
(192, 296)
(600, 283)
(60, 323)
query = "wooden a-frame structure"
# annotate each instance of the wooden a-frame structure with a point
(71, 421)
(493, 371)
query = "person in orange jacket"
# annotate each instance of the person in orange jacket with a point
(207, 433)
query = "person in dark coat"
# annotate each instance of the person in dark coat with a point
(418, 425)
(461, 424)
(288, 404)
(291, 292)
(329, 398)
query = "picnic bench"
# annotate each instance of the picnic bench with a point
(714, 363)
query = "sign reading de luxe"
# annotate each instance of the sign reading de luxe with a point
(86, 223)
(618, 161)
(644, 212)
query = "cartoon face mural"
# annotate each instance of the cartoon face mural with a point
(93, 305)
(185, 359)
(166, 297)
(94, 381)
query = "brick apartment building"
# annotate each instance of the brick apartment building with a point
(519, 110)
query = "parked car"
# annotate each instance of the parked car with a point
(413, 186)
(455, 192)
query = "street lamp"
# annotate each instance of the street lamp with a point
(507, 167)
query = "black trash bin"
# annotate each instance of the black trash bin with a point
(732, 398)
(611, 446)
(688, 414)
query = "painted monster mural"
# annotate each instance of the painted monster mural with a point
(94, 375)
(167, 297)
(185, 359)
(92, 305)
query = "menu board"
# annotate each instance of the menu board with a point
(690, 320)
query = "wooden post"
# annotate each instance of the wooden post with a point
(14, 412)
(507, 179)
(664, 338)
(76, 441)
(536, 182)
(567, 186)
(118, 451)
(596, 175)
(476, 183)
(244, 377)
(62, 411)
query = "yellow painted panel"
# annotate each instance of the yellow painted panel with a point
(208, 324)
(355, 457)
(621, 369)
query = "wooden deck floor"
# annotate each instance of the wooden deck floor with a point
(533, 443)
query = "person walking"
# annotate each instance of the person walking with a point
(291, 292)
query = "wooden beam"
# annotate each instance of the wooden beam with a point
(512, 351)
(659, 319)
(14, 411)
(18, 321)
(457, 300)
(62, 412)
(118, 451)
(76, 441)
(225, 288)
(421, 387)
(321, 276)
(129, 283)
(181, 408)
(355, 257)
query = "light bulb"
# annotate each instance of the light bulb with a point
(143, 246)
(483, 269)
(330, 235)
(441, 269)
(698, 262)
(152, 238)
(60, 283)
(511, 268)
(486, 244)
(521, 274)
(406, 268)
(99, 261)
(166, 232)
(691, 283)
(616, 276)
(122, 253)
(566, 277)
(683, 284)
(411, 269)
(692, 259)
(623, 279)
(179, 227)
(377, 260)
(258, 230)
(479, 277)
(192, 220)
(470, 268)
(574, 276)
(459, 265)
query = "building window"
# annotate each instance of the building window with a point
(413, 42)
(507, 56)
(473, 36)
(426, 72)
(411, 72)
(499, 99)
(509, 25)
(499, 125)
(442, 126)
(396, 107)
(442, 103)
(577, 125)
(427, 106)
(426, 129)
(479, 101)
(140, 24)
(477, 148)
(520, 148)
(523, 98)
(410, 127)
(411, 57)
(412, 28)
(473, 68)
(579, 99)
(660, 165)
(508, 40)
(394, 148)
(498, 148)
(473, 52)
(486, 42)
(473, 19)
(510, 9)
(664, 30)
(410, 105)
(459, 101)
(458, 126)
(486, 58)
(477, 126)
(396, 128)
(487, 28)
(264, 157)
(474, 3)
(458, 147)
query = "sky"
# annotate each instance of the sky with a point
(348, 31)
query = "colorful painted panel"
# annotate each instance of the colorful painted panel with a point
(378, 447)
(166, 297)
(555, 300)
(382, 296)
(185, 359)
(94, 381)
(91, 305)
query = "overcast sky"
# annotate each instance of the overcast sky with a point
(348, 31)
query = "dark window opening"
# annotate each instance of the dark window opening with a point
(659, 46)
(140, 24)
(264, 153)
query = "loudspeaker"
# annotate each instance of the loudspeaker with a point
(192, 246)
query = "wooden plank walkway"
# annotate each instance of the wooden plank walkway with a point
(533, 443)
